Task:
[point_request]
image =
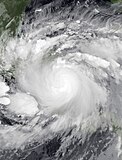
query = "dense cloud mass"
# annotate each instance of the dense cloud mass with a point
(60, 83)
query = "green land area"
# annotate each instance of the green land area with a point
(115, 1)
(10, 14)
(11, 11)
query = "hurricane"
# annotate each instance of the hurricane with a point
(61, 82)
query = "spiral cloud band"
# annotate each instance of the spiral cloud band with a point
(62, 88)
